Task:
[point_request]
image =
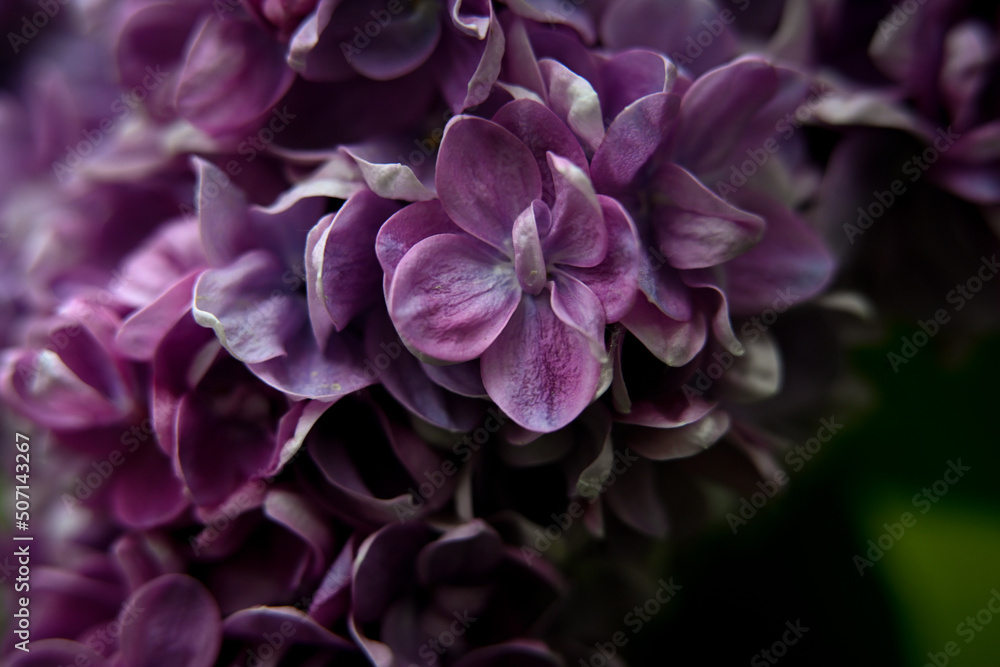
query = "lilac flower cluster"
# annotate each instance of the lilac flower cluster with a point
(338, 323)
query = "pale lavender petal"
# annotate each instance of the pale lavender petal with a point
(450, 297)
(540, 371)
(575, 101)
(529, 265)
(485, 178)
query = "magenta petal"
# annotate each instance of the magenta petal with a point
(579, 236)
(632, 139)
(218, 454)
(540, 371)
(309, 371)
(694, 228)
(222, 218)
(144, 329)
(542, 132)
(250, 625)
(664, 444)
(451, 297)
(349, 273)
(574, 304)
(717, 109)
(632, 75)
(673, 342)
(148, 493)
(406, 378)
(176, 622)
(384, 565)
(463, 555)
(403, 45)
(233, 75)
(465, 379)
(615, 280)
(252, 312)
(469, 54)
(405, 229)
(485, 178)
(789, 265)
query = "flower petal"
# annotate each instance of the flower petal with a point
(674, 342)
(693, 227)
(540, 371)
(791, 262)
(575, 101)
(542, 132)
(717, 109)
(451, 297)
(251, 310)
(579, 236)
(179, 624)
(349, 272)
(615, 280)
(485, 177)
(405, 229)
(633, 137)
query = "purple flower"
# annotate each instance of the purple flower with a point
(520, 263)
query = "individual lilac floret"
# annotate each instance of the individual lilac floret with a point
(519, 263)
